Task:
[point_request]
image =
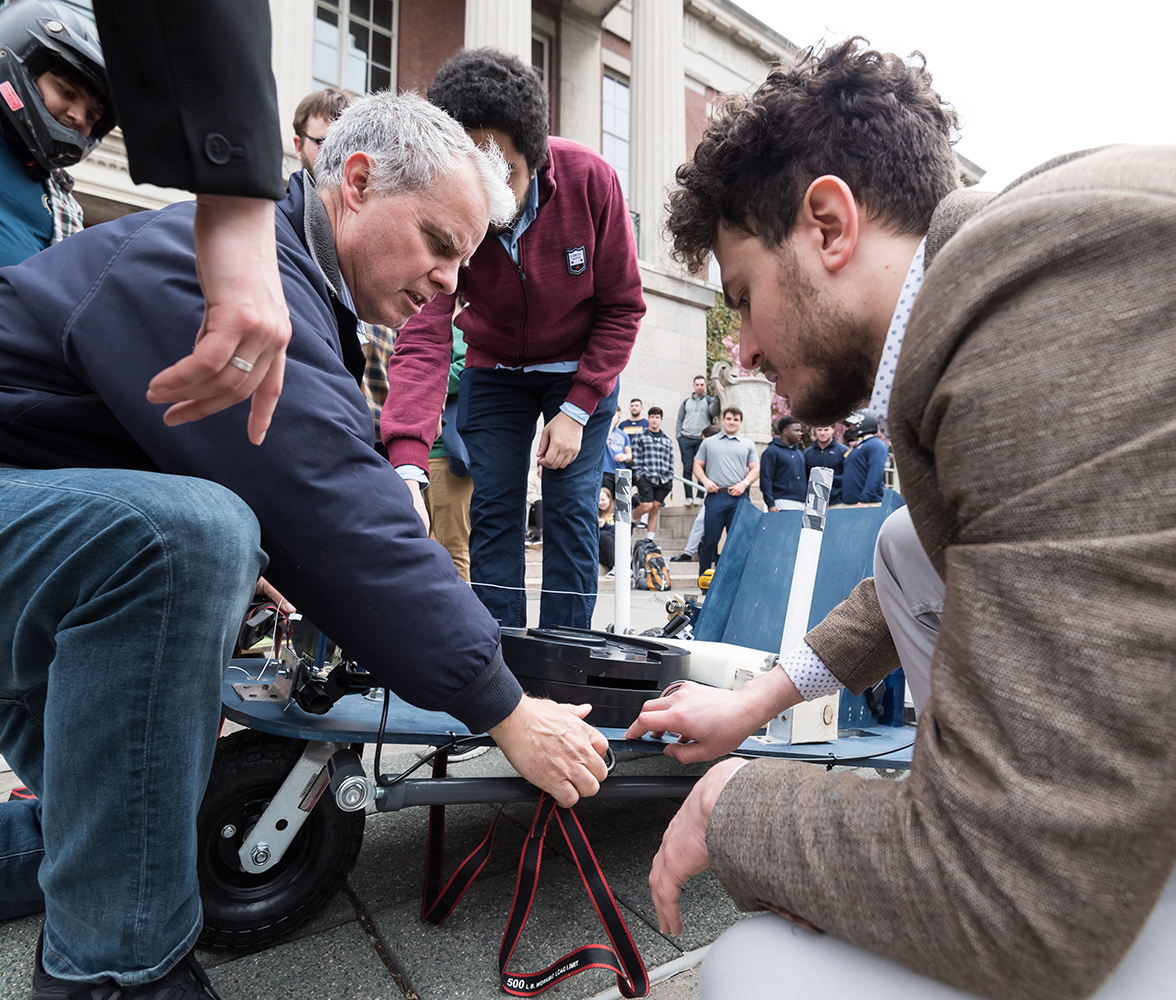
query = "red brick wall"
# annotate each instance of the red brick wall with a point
(614, 43)
(433, 30)
(696, 119)
(430, 32)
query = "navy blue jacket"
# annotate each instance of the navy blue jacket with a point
(861, 482)
(782, 473)
(833, 457)
(85, 325)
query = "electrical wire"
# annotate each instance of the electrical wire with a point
(384, 780)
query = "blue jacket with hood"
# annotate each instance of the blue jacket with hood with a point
(85, 325)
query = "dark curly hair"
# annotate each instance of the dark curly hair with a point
(485, 88)
(864, 116)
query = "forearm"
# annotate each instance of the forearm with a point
(854, 641)
(618, 303)
(418, 382)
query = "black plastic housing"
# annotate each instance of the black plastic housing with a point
(616, 674)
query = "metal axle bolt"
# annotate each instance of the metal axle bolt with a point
(260, 854)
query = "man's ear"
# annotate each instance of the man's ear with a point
(357, 176)
(829, 215)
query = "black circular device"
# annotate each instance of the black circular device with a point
(616, 674)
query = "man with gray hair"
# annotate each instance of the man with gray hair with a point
(404, 197)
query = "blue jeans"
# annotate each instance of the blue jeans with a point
(720, 512)
(121, 594)
(496, 414)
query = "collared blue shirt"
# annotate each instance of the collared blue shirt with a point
(511, 240)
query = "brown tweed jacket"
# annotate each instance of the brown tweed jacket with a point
(1034, 426)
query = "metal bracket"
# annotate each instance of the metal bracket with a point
(265, 844)
(279, 688)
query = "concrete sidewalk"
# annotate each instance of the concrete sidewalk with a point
(370, 943)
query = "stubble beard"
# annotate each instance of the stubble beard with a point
(831, 342)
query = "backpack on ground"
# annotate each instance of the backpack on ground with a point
(650, 571)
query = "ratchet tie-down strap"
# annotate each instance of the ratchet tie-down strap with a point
(622, 958)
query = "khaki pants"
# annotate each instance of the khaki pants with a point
(448, 502)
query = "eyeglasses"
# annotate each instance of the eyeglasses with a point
(318, 140)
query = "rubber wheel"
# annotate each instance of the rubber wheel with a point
(243, 910)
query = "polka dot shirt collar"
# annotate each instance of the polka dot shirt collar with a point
(880, 399)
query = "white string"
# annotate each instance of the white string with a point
(572, 593)
(248, 676)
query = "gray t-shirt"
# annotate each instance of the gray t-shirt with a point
(726, 459)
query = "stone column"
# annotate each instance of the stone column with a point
(579, 79)
(500, 24)
(659, 118)
(293, 59)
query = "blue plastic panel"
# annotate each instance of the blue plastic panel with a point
(749, 592)
(354, 719)
(748, 597)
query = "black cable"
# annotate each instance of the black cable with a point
(383, 780)
(829, 760)
(380, 735)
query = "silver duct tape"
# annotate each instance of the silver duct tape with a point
(816, 502)
(624, 496)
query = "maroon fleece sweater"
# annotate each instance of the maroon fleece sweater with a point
(575, 295)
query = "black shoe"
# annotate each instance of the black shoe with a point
(186, 981)
(21, 794)
(684, 557)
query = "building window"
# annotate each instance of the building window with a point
(615, 138)
(355, 44)
(541, 56)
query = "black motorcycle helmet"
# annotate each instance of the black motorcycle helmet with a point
(35, 36)
(861, 423)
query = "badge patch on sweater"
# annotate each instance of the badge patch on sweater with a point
(577, 260)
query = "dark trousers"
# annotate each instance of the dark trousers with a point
(719, 513)
(608, 547)
(689, 448)
(496, 414)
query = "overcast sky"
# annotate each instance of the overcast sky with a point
(1029, 80)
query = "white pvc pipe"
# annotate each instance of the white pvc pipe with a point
(622, 562)
(684, 962)
(808, 553)
(800, 598)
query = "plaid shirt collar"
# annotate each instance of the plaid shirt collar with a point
(67, 213)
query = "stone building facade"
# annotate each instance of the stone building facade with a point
(633, 79)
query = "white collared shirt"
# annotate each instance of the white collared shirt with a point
(804, 668)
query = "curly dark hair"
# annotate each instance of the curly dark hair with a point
(864, 116)
(485, 88)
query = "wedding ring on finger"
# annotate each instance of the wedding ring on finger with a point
(241, 363)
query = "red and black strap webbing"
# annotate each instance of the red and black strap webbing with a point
(622, 958)
(438, 903)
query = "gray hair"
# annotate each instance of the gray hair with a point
(413, 144)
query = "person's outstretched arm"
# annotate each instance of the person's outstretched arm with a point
(177, 71)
